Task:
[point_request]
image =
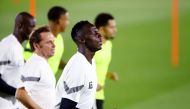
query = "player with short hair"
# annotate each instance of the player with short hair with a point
(106, 25)
(58, 18)
(11, 57)
(37, 89)
(76, 87)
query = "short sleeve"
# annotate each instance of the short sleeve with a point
(72, 83)
(29, 77)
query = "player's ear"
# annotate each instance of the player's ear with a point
(81, 40)
(101, 29)
(20, 25)
(57, 21)
(36, 46)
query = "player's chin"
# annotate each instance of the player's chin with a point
(99, 45)
(52, 54)
(99, 48)
(110, 38)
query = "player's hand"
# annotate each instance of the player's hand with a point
(99, 87)
(113, 76)
(38, 107)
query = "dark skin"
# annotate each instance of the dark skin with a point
(24, 24)
(89, 43)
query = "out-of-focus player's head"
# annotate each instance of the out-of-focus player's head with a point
(24, 24)
(42, 42)
(106, 25)
(86, 35)
(59, 16)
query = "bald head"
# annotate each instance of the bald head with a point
(24, 24)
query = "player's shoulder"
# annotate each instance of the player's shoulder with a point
(59, 38)
(10, 47)
(75, 64)
(7, 42)
(13, 44)
(37, 61)
(78, 59)
(109, 43)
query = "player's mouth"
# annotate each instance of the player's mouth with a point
(53, 50)
(100, 43)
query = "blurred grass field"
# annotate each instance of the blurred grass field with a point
(141, 49)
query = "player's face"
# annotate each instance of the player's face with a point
(110, 29)
(93, 40)
(27, 28)
(46, 45)
(64, 22)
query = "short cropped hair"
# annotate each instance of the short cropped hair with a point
(78, 29)
(55, 13)
(35, 36)
(102, 19)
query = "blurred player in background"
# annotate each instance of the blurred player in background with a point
(37, 89)
(11, 57)
(77, 85)
(107, 28)
(58, 18)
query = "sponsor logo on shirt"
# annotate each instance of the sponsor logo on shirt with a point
(90, 85)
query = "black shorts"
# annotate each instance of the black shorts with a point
(99, 104)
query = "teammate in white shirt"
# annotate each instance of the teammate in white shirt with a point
(37, 90)
(76, 87)
(11, 57)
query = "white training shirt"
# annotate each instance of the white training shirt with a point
(39, 81)
(78, 82)
(11, 60)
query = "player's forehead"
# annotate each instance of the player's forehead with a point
(32, 22)
(111, 22)
(64, 16)
(93, 29)
(46, 36)
(29, 22)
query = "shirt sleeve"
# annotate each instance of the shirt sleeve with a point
(72, 83)
(4, 87)
(30, 77)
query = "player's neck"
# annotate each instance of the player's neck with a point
(18, 37)
(41, 55)
(88, 54)
(103, 39)
(54, 29)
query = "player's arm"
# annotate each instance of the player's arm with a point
(5, 88)
(67, 104)
(62, 64)
(25, 99)
(72, 87)
(99, 87)
(113, 76)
